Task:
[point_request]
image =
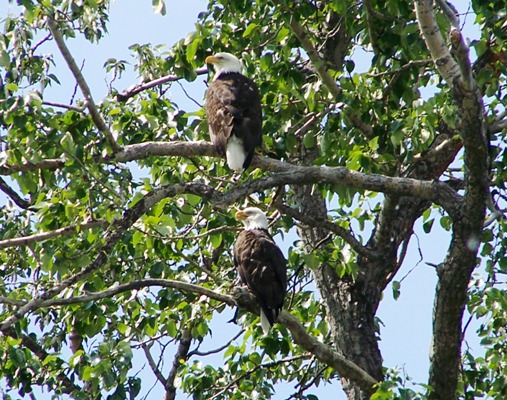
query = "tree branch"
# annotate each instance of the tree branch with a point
(336, 229)
(315, 58)
(153, 365)
(16, 198)
(239, 298)
(49, 164)
(137, 285)
(286, 174)
(132, 91)
(112, 236)
(180, 356)
(85, 89)
(67, 386)
(435, 42)
(40, 237)
(455, 273)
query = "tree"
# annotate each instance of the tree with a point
(100, 261)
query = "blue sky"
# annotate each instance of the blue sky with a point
(406, 329)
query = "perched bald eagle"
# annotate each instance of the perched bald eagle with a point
(261, 264)
(233, 107)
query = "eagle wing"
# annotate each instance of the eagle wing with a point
(263, 268)
(233, 108)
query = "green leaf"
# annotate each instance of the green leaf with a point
(251, 28)
(192, 48)
(216, 240)
(396, 290)
(159, 6)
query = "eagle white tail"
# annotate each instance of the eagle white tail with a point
(235, 153)
(265, 323)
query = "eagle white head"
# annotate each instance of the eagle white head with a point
(252, 218)
(223, 63)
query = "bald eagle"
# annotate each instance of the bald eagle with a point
(261, 264)
(233, 107)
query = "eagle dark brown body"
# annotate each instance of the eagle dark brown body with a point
(262, 267)
(234, 114)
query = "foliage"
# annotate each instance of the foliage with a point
(93, 223)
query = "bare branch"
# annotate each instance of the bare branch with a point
(217, 350)
(403, 68)
(252, 370)
(16, 198)
(40, 237)
(287, 173)
(153, 365)
(85, 89)
(66, 106)
(336, 229)
(315, 58)
(180, 356)
(132, 91)
(137, 285)
(450, 12)
(435, 42)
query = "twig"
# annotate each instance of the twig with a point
(85, 89)
(40, 42)
(217, 350)
(132, 91)
(188, 96)
(328, 225)
(257, 367)
(153, 366)
(404, 67)
(66, 106)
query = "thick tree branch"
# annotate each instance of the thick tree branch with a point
(439, 51)
(85, 89)
(455, 273)
(132, 91)
(239, 298)
(287, 173)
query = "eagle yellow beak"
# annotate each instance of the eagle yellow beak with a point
(211, 60)
(240, 215)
